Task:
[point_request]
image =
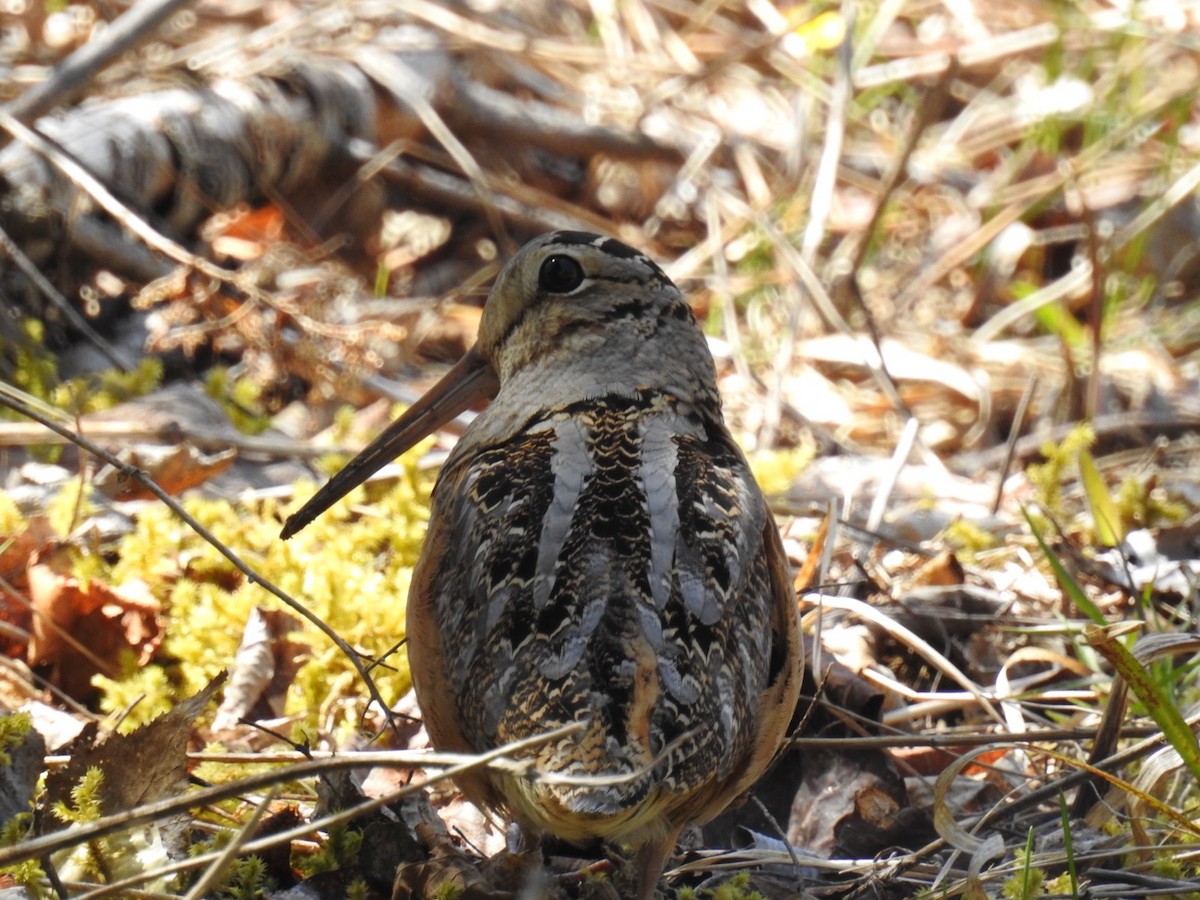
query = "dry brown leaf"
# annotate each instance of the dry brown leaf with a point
(80, 628)
(263, 669)
(853, 804)
(247, 233)
(424, 880)
(930, 761)
(173, 468)
(943, 570)
(16, 549)
(812, 562)
(140, 767)
(925, 761)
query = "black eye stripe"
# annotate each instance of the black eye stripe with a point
(608, 245)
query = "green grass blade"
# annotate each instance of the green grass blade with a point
(1100, 501)
(1068, 845)
(1066, 580)
(1154, 697)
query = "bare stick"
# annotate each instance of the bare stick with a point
(10, 397)
(501, 758)
(71, 76)
(9, 247)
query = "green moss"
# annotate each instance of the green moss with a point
(1028, 882)
(146, 691)
(104, 390)
(1047, 478)
(14, 728)
(1139, 502)
(1167, 866)
(11, 520)
(1142, 505)
(240, 398)
(35, 370)
(339, 851)
(969, 539)
(776, 470)
(102, 859)
(343, 422)
(70, 506)
(27, 874)
(247, 880)
(211, 772)
(85, 799)
(352, 571)
(737, 887)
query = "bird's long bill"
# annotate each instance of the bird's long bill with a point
(470, 380)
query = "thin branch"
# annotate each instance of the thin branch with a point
(501, 758)
(75, 73)
(11, 398)
(61, 303)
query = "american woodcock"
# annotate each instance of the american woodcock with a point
(599, 554)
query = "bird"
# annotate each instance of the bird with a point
(599, 560)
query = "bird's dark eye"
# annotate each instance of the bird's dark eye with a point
(560, 274)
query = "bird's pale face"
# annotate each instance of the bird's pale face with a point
(575, 316)
(576, 295)
(572, 315)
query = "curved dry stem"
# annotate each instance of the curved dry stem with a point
(14, 399)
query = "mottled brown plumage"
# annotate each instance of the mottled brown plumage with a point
(598, 553)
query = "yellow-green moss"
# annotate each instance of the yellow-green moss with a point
(968, 539)
(776, 470)
(338, 851)
(14, 728)
(248, 880)
(11, 520)
(104, 390)
(736, 888)
(1047, 478)
(35, 370)
(70, 506)
(1142, 505)
(352, 571)
(27, 874)
(147, 691)
(214, 772)
(1027, 882)
(240, 398)
(85, 799)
